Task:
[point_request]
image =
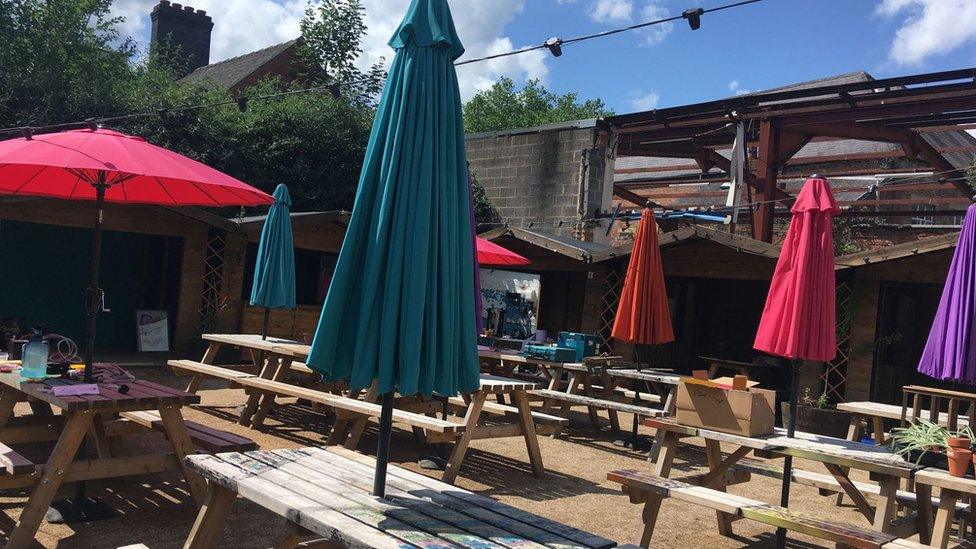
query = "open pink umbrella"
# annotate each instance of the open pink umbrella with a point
(109, 166)
(492, 254)
(798, 321)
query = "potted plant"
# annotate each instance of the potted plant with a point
(926, 443)
(818, 415)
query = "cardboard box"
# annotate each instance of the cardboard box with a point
(703, 404)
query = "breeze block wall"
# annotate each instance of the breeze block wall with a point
(532, 175)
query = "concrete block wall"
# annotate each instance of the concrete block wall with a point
(532, 177)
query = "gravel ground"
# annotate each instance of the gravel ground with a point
(157, 510)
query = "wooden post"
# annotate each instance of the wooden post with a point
(767, 168)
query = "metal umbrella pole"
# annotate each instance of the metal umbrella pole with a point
(638, 350)
(383, 446)
(82, 509)
(784, 500)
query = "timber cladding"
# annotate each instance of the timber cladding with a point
(928, 268)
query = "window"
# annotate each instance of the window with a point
(921, 219)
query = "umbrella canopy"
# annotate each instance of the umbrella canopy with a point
(490, 253)
(274, 268)
(69, 164)
(950, 352)
(400, 308)
(642, 314)
(798, 321)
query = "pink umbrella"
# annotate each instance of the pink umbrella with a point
(798, 321)
(490, 253)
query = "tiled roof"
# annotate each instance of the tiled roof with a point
(230, 72)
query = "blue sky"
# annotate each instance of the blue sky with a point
(759, 46)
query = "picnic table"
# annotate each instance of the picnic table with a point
(837, 455)
(951, 490)
(326, 494)
(81, 415)
(282, 355)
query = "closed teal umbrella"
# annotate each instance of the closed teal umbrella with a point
(274, 269)
(400, 309)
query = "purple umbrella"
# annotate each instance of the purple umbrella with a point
(950, 352)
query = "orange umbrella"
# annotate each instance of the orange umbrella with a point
(643, 317)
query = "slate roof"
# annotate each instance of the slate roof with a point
(230, 72)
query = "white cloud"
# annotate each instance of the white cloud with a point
(929, 27)
(736, 88)
(655, 34)
(243, 26)
(644, 101)
(240, 27)
(612, 11)
(481, 26)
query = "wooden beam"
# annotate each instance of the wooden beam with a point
(767, 168)
(629, 196)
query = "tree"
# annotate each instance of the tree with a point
(332, 33)
(503, 107)
(60, 60)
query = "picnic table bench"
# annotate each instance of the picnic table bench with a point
(348, 430)
(951, 490)
(650, 490)
(838, 456)
(80, 416)
(872, 414)
(326, 494)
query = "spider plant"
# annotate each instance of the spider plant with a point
(923, 436)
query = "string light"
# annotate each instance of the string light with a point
(554, 45)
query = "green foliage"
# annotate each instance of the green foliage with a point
(332, 33)
(821, 401)
(923, 436)
(60, 60)
(971, 177)
(504, 107)
(484, 211)
(311, 142)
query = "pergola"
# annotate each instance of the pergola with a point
(778, 124)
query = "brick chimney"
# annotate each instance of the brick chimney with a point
(183, 30)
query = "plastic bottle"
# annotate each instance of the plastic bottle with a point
(34, 365)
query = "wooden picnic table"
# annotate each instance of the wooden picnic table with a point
(281, 354)
(326, 494)
(951, 490)
(873, 414)
(81, 415)
(837, 455)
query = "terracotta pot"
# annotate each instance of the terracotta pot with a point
(959, 461)
(960, 442)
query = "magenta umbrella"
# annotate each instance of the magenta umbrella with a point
(798, 321)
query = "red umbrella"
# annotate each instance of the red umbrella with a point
(490, 253)
(105, 165)
(643, 317)
(799, 319)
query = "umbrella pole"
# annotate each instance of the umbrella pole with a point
(383, 447)
(264, 326)
(83, 509)
(784, 500)
(637, 399)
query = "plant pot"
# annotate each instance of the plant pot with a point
(959, 442)
(931, 458)
(821, 421)
(959, 460)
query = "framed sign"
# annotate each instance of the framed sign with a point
(153, 328)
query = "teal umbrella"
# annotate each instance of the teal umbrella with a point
(274, 269)
(400, 309)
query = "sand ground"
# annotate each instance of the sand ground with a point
(157, 510)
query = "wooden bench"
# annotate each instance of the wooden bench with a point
(207, 438)
(593, 402)
(546, 424)
(647, 488)
(14, 463)
(828, 485)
